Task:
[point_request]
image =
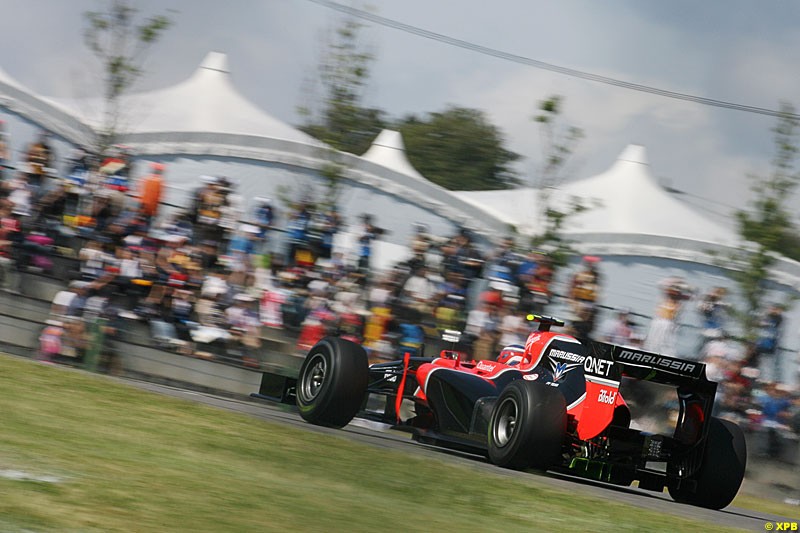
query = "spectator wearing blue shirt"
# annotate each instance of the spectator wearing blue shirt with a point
(240, 249)
(369, 232)
(297, 230)
(767, 344)
(330, 225)
(264, 215)
(776, 412)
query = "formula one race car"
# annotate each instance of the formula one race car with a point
(554, 404)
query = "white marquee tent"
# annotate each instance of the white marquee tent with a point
(628, 214)
(625, 206)
(388, 150)
(205, 102)
(203, 125)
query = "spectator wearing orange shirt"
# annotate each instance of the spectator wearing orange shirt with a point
(150, 193)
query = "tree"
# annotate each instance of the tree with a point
(558, 143)
(459, 149)
(339, 119)
(120, 44)
(551, 238)
(767, 223)
(343, 71)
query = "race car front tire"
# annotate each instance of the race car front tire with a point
(527, 426)
(332, 383)
(721, 472)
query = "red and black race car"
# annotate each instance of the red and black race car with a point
(554, 404)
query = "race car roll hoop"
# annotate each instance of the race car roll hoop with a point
(545, 322)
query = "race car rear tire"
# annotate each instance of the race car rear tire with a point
(332, 383)
(527, 426)
(721, 473)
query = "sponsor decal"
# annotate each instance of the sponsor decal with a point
(561, 369)
(486, 367)
(597, 367)
(566, 356)
(530, 377)
(667, 363)
(607, 397)
(532, 339)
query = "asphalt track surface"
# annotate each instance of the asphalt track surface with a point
(366, 432)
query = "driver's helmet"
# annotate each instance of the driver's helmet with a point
(511, 355)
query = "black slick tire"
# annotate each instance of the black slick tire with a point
(722, 470)
(332, 383)
(527, 426)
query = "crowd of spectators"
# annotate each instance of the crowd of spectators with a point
(752, 388)
(213, 280)
(187, 274)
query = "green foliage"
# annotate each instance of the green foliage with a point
(151, 31)
(342, 122)
(305, 193)
(120, 44)
(459, 149)
(343, 71)
(558, 143)
(332, 173)
(347, 127)
(551, 239)
(767, 223)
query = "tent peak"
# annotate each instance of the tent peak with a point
(634, 153)
(388, 150)
(215, 61)
(390, 139)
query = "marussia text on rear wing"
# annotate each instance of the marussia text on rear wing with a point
(639, 364)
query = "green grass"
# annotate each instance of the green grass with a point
(129, 460)
(749, 501)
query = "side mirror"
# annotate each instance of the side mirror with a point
(451, 354)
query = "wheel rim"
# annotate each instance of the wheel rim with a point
(313, 378)
(506, 423)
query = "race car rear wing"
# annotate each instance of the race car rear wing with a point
(694, 390)
(639, 364)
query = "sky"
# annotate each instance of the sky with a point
(745, 52)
